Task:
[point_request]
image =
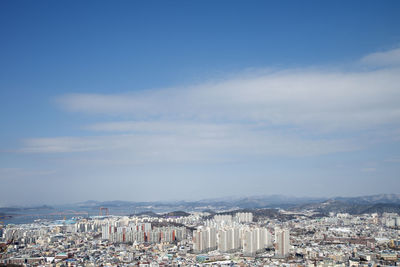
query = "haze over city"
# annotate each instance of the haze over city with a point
(186, 100)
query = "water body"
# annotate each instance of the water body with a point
(30, 215)
(24, 216)
(21, 219)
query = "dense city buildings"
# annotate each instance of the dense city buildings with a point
(200, 239)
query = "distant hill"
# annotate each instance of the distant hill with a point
(373, 199)
(356, 205)
(274, 201)
(353, 205)
(146, 213)
(176, 214)
(16, 209)
(164, 215)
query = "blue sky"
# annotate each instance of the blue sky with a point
(164, 100)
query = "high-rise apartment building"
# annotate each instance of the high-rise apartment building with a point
(282, 241)
(244, 217)
(204, 239)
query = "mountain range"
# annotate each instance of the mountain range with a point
(354, 205)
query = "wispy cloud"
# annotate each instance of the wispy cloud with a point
(181, 141)
(382, 59)
(302, 98)
(287, 112)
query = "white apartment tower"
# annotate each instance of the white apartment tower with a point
(244, 217)
(255, 240)
(282, 242)
(228, 239)
(204, 239)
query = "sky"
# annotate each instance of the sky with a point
(188, 100)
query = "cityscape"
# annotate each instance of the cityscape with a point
(231, 238)
(312, 234)
(226, 133)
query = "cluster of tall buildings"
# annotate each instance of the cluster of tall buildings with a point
(87, 226)
(255, 240)
(249, 239)
(205, 239)
(391, 219)
(24, 235)
(240, 217)
(141, 233)
(226, 233)
(229, 239)
(244, 217)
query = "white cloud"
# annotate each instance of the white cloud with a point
(385, 58)
(311, 99)
(166, 127)
(61, 144)
(181, 141)
(294, 112)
